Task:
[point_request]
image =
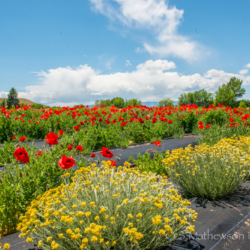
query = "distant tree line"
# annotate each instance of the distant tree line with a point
(227, 95)
(119, 102)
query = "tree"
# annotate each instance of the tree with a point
(228, 93)
(166, 102)
(235, 85)
(183, 99)
(225, 96)
(118, 102)
(12, 98)
(203, 98)
(199, 98)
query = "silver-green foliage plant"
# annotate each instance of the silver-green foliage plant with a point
(209, 171)
(106, 208)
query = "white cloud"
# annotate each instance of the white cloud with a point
(157, 17)
(248, 65)
(243, 71)
(149, 82)
(128, 63)
(4, 94)
(156, 65)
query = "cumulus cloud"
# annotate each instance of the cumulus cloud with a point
(151, 81)
(156, 65)
(248, 65)
(128, 63)
(157, 17)
(243, 71)
(3, 94)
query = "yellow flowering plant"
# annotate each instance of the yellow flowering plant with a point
(5, 246)
(210, 171)
(106, 207)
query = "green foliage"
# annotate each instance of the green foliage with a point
(188, 121)
(166, 102)
(132, 102)
(3, 103)
(37, 106)
(227, 94)
(214, 117)
(247, 102)
(22, 104)
(119, 102)
(235, 86)
(12, 98)
(6, 129)
(216, 133)
(224, 96)
(199, 98)
(150, 164)
(242, 105)
(21, 183)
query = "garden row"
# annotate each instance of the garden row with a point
(63, 209)
(110, 127)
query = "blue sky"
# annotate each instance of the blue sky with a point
(69, 52)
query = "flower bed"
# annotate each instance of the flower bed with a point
(109, 126)
(104, 207)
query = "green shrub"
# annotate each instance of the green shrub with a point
(209, 172)
(242, 105)
(148, 164)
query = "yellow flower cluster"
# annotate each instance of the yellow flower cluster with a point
(104, 206)
(5, 246)
(210, 171)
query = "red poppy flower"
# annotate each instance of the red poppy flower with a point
(70, 147)
(231, 119)
(38, 153)
(76, 128)
(66, 162)
(112, 163)
(200, 123)
(79, 148)
(140, 120)
(124, 123)
(52, 138)
(60, 132)
(21, 155)
(106, 153)
(201, 127)
(22, 138)
(170, 122)
(154, 120)
(208, 126)
(157, 143)
(36, 122)
(13, 137)
(81, 123)
(92, 155)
